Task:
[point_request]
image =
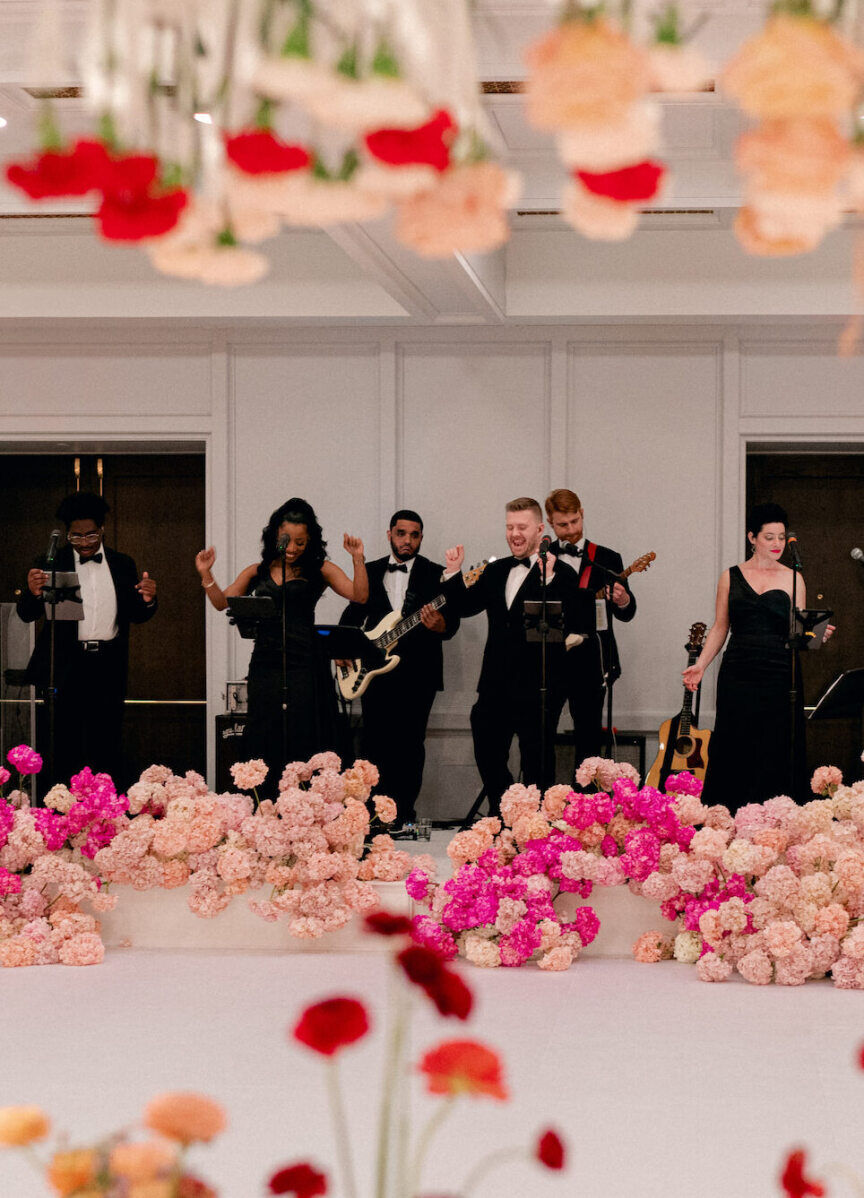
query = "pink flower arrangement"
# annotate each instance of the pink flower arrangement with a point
(499, 908)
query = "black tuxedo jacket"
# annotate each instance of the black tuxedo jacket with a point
(585, 656)
(510, 661)
(131, 609)
(419, 650)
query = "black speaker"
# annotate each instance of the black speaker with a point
(229, 749)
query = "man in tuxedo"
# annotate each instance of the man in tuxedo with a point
(509, 689)
(396, 705)
(91, 654)
(594, 664)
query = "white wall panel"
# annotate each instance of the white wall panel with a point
(800, 380)
(642, 439)
(473, 433)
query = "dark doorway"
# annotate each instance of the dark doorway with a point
(157, 517)
(824, 496)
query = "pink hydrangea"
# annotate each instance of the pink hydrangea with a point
(648, 949)
(248, 775)
(4, 775)
(712, 968)
(24, 759)
(757, 968)
(826, 779)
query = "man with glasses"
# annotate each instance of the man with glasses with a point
(92, 654)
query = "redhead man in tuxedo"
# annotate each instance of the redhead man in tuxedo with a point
(592, 665)
(508, 691)
(92, 654)
(396, 706)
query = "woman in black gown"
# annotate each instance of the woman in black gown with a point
(311, 723)
(749, 758)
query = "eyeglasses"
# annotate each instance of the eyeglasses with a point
(86, 538)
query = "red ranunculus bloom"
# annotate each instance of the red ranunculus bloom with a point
(793, 1181)
(260, 152)
(427, 145)
(422, 966)
(385, 923)
(332, 1024)
(450, 995)
(463, 1067)
(550, 1150)
(193, 1187)
(300, 1179)
(61, 172)
(133, 206)
(630, 185)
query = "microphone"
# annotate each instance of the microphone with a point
(792, 545)
(282, 544)
(52, 546)
(544, 546)
(857, 555)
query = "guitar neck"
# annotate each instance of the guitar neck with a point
(387, 638)
(686, 717)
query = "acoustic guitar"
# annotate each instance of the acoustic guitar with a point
(682, 747)
(641, 563)
(353, 680)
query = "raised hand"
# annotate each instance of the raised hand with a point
(146, 588)
(205, 560)
(353, 545)
(453, 559)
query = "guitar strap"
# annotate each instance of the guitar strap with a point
(585, 572)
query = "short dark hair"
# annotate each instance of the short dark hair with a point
(405, 513)
(83, 505)
(766, 513)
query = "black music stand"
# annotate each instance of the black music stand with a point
(62, 597)
(843, 699)
(344, 641)
(543, 620)
(248, 612)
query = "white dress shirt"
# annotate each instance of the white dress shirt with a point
(396, 582)
(98, 597)
(575, 563)
(516, 579)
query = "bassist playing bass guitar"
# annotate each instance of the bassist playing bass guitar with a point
(396, 706)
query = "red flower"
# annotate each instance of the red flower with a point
(422, 966)
(300, 1179)
(630, 185)
(463, 1067)
(133, 207)
(861, 1057)
(61, 172)
(427, 145)
(550, 1150)
(193, 1187)
(385, 923)
(450, 995)
(793, 1181)
(330, 1025)
(260, 152)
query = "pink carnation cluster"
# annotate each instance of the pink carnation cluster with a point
(308, 847)
(499, 908)
(775, 892)
(46, 870)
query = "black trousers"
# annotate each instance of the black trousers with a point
(396, 711)
(88, 714)
(498, 716)
(586, 711)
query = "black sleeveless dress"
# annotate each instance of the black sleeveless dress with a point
(311, 724)
(748, 755)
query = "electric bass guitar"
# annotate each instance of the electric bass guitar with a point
(353, 680)
(682, 747)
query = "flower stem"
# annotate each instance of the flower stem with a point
(433, 1126)
(487, 1165)
(340, 1124)
(392, 1069)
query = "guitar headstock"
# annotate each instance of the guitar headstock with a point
(696, 637)
(642, 563)
(471, 576)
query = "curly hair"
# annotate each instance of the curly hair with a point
(294, 511)
(83, 505)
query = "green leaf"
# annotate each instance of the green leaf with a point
(226, 237)
(347, 64)
(384, 62)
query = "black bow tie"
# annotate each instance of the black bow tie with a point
(565, 549)
(391, 569)
(520, 561)
(97, 557)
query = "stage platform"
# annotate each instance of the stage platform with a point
(161, 919)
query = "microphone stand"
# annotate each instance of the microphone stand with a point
(797, 566)
(282, 556)
(544, 692)
(51, 695)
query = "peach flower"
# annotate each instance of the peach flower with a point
(20, 1125)
(597, 218)
(69, 1172)
(795, 67)
(185, 1117)
(466, 211)
(385, 809)
(806, 155)
(143, 1160)
(583, 72)
(556, 959)
(606, 146)
(651, 947)
(678, 67)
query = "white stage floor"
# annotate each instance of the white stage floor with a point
(662, 1085)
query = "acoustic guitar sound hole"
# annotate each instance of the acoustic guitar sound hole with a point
(684, 746)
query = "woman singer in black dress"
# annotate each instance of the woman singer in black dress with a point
(749, 754)
(311, 724)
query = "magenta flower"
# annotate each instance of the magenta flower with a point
(25, 759)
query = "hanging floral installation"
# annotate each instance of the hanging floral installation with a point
(219, 122)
